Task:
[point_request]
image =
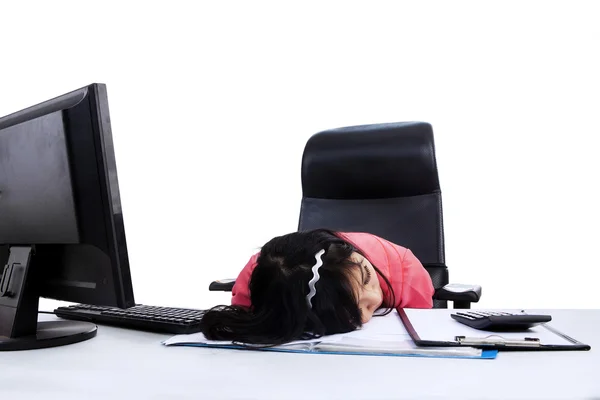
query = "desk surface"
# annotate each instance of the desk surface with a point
(130, 364)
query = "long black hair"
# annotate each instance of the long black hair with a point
(278, 287)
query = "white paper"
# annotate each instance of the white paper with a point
(383, 334)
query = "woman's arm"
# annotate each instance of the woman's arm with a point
(240, 294)
(417, 287)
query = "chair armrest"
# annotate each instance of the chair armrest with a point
(222, 285)
(462, 295)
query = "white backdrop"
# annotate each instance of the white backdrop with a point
(211, 105)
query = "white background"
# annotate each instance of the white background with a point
(212, 103)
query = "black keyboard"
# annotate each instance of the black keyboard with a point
(140, 317)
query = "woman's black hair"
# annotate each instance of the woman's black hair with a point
(278, 289)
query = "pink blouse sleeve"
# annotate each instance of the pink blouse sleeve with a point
(417, 288)
(240, 294)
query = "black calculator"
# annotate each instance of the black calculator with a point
(499, 321)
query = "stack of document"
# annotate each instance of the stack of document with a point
(383, 336)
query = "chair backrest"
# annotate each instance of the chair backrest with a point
(380, 179)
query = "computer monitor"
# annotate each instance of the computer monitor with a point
(61, 225)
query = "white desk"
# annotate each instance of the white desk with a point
(129, 364)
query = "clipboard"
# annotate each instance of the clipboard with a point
(438, 329)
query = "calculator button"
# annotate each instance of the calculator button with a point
(478, 314)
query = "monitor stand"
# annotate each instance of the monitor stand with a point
(19, 301)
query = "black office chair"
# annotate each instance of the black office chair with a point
(381, 179)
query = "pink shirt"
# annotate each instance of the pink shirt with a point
(410, 280)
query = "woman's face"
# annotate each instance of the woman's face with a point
(368, 289)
